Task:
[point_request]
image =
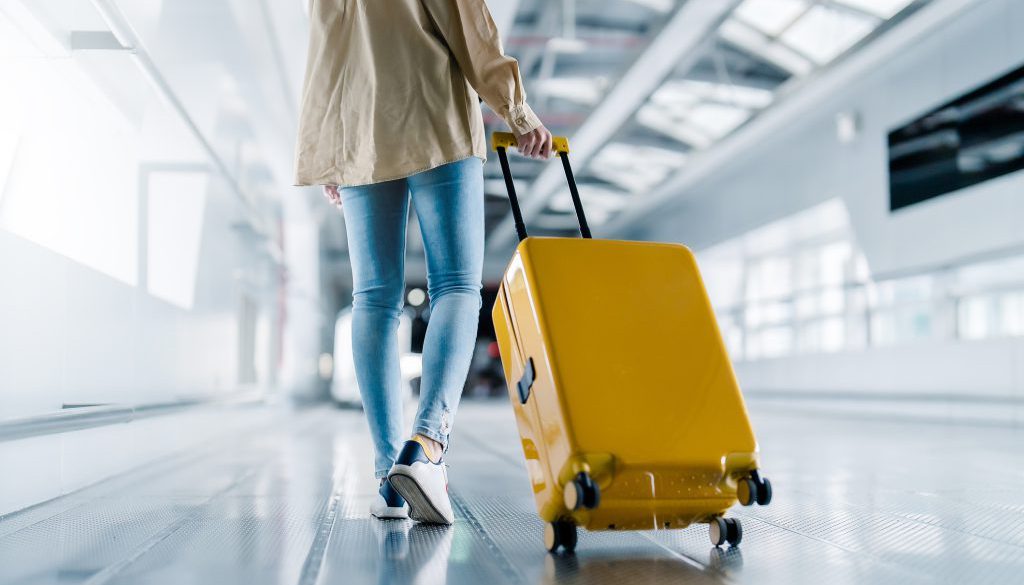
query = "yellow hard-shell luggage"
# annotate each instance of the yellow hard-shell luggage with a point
(627, 405)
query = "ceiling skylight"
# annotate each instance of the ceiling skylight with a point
(756, 43)
(717, 120)
(600, 203)
(582, 90)
(660, 120)
(674, 95)
(771, 16)
(881, 8)
(698, 113)
(723, 93)
(762, 49)
(824, 32)
(662, 6)
(635, 168)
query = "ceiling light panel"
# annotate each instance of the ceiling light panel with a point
(771, 16)
(679, 97)
(881, 8)
(718, 120)
(587, 91)
(724, 93)
(600, 203)
(635, 168)
(655, 118)
(661, 6)
(824, 33)
(674, 95)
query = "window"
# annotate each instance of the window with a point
(967, 141)
(800, 285)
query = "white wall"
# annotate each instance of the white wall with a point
(73, 335)
(951, 383)
(803, 162)
(70, 334)
(990, 369)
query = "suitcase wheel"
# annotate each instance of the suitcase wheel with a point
(560, 534)
(764, 493)
(581, 492)
(754, 489)
(724, 530)
(746, 491)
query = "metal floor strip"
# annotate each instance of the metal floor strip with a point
(504, 564)
(315, 559)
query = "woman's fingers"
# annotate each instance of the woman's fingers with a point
(332, 194)
(526, 144)
(536, 144)
(545, 151)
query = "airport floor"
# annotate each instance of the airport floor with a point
(856, 501)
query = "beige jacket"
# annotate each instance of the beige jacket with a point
(391, 89)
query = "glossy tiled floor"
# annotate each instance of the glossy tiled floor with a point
(855, 502)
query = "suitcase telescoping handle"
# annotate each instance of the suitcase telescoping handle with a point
(501, 141)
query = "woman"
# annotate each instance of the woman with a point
(390, 110)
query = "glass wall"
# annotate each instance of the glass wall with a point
(95, 164)
(801, 285)
(137, 221)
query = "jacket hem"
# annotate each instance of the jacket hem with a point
(401, 175)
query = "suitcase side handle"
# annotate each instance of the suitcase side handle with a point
(526, 382)
(501, 142)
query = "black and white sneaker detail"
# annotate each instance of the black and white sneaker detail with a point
(423, 483)
(389, 504)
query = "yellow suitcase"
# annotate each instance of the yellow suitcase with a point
(626, 402)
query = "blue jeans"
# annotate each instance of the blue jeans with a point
(449, 201)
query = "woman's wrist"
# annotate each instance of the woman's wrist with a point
(522, 120)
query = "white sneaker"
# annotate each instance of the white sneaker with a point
(389, 504)
(423, 483)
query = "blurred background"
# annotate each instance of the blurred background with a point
(847, 171)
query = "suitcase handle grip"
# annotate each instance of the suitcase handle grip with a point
(559, 144)
(501, 141)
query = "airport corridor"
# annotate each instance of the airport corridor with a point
(226, 223)
(856, 501)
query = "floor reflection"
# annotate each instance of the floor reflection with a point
(725, 559)
(412, 553)
(614, 568)
(260, 509)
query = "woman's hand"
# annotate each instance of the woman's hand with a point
(536, 143)
(333, 195)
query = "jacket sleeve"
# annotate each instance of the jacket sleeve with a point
(469, 31)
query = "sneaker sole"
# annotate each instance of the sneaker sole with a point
(390, 514)
(420, 506)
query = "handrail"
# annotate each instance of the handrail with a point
(956, 294)
(943, 304)
(87, 417)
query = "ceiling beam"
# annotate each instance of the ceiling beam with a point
(688, 28)
(806, 97)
